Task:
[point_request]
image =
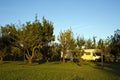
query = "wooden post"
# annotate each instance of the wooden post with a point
(102, 62)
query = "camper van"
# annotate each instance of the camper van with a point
(91, 54)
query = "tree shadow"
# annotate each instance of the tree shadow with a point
(77, 78)
(42, 61)
(113, 68)
(5, 62)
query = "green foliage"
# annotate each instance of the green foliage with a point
(101, 44)
(33, 40)
(15, 50)
(115, 43)
(5, 42)
(56, 51)
(88, 44)
(31, 35)
(38, 34)
(80, 42)
(67, 42)
(80, 45)
(94, 43)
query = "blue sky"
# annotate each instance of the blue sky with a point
(86, 18)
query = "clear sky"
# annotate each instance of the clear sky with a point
(86, 18)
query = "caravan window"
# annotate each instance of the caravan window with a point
(94, 54)
(87, 53)
(98, 53)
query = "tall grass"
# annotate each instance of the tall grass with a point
(57, 71)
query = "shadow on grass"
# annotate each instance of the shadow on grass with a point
(5, 62)
(113, 68)
(57, 62)
(77, 78)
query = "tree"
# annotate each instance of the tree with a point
(46, 52)
(103, 45)
(5, 42)
(115, 44)
(27, 40)
(67, 42)
(94, 42)
(107, 49)
(2, 50)
(15, 51)
(14, 38)
(34, 36)
(47, 37)
(88, 44)
(56, 50)
(80, 44)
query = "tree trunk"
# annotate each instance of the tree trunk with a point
(47, 59)
(30, 57)
(102, 62)
(1, 60)
(14, 57)
(63, 57)
(80, 61)
(30, 61)
(24, 59)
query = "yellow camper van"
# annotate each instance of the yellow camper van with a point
(91, 54)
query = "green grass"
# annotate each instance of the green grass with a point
(58, 71)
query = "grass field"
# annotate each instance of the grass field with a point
(58, 71)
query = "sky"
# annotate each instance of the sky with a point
(86, 18)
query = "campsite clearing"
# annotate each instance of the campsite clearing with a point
(59, 71)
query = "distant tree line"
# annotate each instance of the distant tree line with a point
(34, 41)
